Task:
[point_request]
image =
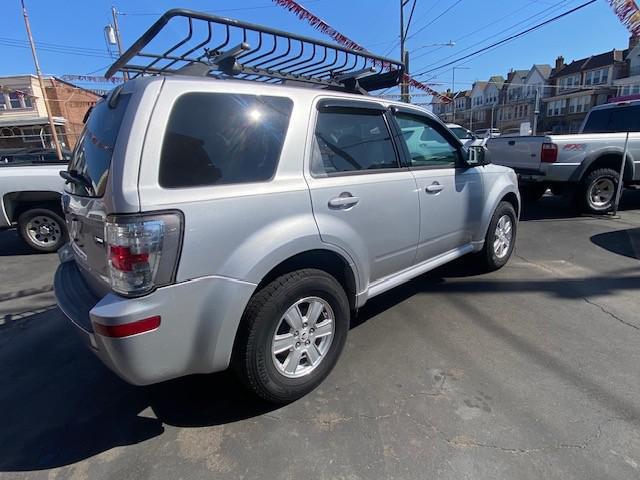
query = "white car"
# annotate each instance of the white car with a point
(487, 133)
(466, 136)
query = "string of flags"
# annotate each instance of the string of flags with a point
(628, 13)
(91, 78)
(303, 14)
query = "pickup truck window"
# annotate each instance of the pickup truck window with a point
(611, 120)
(427, 147)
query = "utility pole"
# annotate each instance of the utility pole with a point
(54, 134)
(116, 29)
(453, 94)
(536, 112)
(404, 90)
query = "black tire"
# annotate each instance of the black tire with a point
(490, 261)
(55, 224)
(253, 359)
(606, 175)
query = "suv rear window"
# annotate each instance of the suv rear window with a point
(219, 138)
(91, 158)
(615, 119)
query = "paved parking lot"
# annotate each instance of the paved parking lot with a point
(527, 373)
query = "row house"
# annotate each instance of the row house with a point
(628, 87)
(485, 98)
(521, 97)
(580, 85)
(23, 115)
(453, 107)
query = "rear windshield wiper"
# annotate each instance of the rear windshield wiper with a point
(76, 177)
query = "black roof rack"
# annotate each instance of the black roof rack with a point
(219, 47)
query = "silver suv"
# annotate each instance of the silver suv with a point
(224, 222)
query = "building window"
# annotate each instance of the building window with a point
(597, 77)
(14, 100)
(570, 82)
(556, 108)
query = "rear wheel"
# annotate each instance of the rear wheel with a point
(42, 229)
(291, 336)
(500, 238)
(599, 190)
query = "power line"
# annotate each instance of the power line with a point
(435, 19)
(52, 45)
(238, 9)
(56, 50)
(511, 37)
(406, 30)
(508, 15)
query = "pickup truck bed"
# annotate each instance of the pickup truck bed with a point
(567, 162)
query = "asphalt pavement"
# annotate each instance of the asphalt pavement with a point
(530, 372)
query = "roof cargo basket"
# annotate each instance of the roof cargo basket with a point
(222, 47)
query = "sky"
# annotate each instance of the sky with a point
(470, 24)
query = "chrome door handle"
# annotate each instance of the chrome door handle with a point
(345, 200)
(435, 187)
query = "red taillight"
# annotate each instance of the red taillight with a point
(549, 153)
(142, 251)
(127, 329)
(125, 261)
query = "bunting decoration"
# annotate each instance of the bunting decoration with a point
(91, 78)
(628, 13)
(303, 14)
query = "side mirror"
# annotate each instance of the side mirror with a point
(476, 155)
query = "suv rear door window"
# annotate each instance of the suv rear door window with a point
(352, 140)
(92, 156)
(219, 138)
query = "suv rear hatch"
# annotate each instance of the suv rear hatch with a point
(84, 204)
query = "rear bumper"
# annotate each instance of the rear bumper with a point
(549, 173)
(199, 320)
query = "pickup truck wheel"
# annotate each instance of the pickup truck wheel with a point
(42, 229)
(599, 190)
(291, 335)
(500, 238)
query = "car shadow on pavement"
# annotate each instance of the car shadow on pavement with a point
(563, 207)
(622, 242)
(11, 244)
(60, 405)
(460, 277)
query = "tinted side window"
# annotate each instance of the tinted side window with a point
(91, 158)
(218, 138)
(598, 122)
(625, 119)
(426, 145)
(349, 140)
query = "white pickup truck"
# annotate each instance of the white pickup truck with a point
(30, 190)
(587, 163)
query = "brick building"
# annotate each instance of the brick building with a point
(23, 116)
